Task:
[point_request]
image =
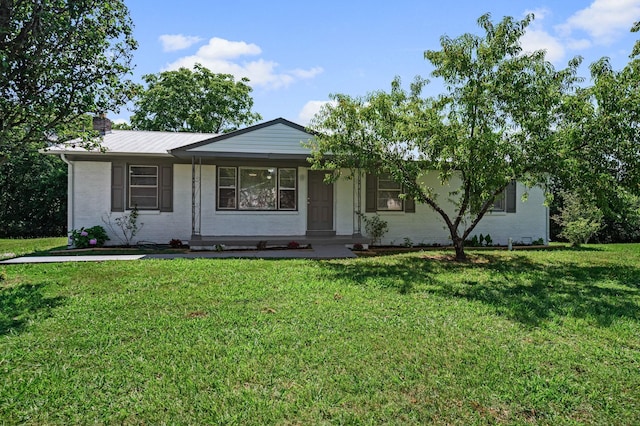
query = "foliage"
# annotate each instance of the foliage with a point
(375, 226)
(60, 59)
(293, 245)
(125, 227)
(579, 219)
(193, 101)
(600, 130)
(510, 338)
(89, 237)
(495, 122)
(175, 243)
(33, 196)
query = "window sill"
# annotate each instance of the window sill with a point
(260, 212)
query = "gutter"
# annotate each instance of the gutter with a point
(70, 193)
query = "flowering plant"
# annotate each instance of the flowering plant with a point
(89, 237)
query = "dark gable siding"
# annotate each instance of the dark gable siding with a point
(118, 183)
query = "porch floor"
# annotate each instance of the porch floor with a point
(204, 242)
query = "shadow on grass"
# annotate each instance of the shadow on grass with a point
(22, 303)
(518, 288)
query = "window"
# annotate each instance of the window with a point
(506, 200)
(383, 194)
(388, 193)
(227, 188)
(257, 188)
(143, 187)
(287, 184)
(499, 202)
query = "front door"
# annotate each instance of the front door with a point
(319, 204)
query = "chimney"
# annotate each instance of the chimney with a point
(102, 124)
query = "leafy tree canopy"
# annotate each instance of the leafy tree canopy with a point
(60, 59)
(194, 101)
(496, 122)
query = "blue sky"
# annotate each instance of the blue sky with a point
(296, 53)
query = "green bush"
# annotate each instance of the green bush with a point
(89, 237)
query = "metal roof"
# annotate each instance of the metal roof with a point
(135, 142)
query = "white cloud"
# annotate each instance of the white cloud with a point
(173, 42)
(224, 56)
(310, 109)
(537, 38)
(603, 20)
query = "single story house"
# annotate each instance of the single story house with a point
(255, 184)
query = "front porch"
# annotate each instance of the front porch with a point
(198, 242)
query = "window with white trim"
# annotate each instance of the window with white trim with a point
(143, 187)
(257, 188)
(227, 184)
(388, 193)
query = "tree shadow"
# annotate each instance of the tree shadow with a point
(517, 287)
(22, 303)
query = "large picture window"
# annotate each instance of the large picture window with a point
(143, 187)
(257, 188)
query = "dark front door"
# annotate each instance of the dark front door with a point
(319, 204)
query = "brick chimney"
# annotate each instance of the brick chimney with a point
(102, 124)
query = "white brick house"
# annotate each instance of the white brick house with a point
(256, 183)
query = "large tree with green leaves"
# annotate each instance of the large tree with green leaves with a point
(495, 122)
(60, 59)
(195, 100)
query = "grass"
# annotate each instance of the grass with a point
(547, 337)
(21, 246)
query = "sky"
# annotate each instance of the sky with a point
(297, 53)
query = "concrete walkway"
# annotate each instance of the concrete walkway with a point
(317, 252)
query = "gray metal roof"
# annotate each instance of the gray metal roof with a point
(135, 142)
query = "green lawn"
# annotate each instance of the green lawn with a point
(549, 337)
(18, 247)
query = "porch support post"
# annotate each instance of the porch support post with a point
(196, 196)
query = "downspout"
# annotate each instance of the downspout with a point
(70, 193)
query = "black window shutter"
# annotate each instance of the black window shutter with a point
(371, 189)
(166, 188)
(511, 197)
(409, 205)
(117, 187)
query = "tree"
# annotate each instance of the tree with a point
(33, 196)
(193, 101)
(60, 59)
(33, 189)
(579, 219)
(495, 123)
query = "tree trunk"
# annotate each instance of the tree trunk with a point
(458, 245)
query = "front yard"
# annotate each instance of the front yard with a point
(547, 337)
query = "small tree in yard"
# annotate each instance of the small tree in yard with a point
(495, 122)
(579, 220)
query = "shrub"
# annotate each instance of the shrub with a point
(579, 219)
(89, 237)
(293, 245)
(375, 227)
(358, 247)
(175, 243)
(127, 224)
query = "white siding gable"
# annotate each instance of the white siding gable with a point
(277, 139)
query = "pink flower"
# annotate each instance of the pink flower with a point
(93, 241)
(84, 233)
